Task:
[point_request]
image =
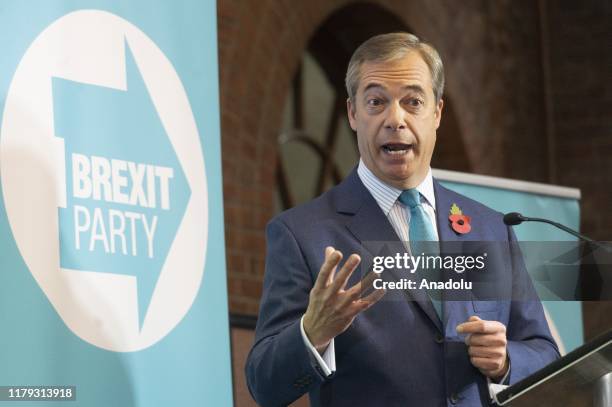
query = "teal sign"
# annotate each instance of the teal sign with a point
(111, 216)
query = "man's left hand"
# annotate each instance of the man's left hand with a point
(486, 342)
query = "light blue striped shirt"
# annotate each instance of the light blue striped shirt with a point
(396, 212)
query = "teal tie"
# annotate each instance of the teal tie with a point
(421, 230)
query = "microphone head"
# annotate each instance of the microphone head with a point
(513, 218)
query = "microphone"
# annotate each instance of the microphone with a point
(515, 218)
(591, 283)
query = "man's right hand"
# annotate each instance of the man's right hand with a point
(331, 308)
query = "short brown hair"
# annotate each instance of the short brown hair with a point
(387, 47)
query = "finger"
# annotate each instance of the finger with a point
(330, 276)
(486, 364)
(366, 302)
(487, 351)
(345, 272)
(374, 296)
(332, 258)
(361, 287)
(468, 340)
(481, 327)
(470, 319)
(486, 340)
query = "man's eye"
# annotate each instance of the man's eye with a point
(374, 102)
(414, 102)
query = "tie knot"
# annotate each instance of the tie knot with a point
(410, 198)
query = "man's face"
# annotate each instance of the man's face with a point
(395, 116)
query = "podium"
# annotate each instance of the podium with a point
(583, 377)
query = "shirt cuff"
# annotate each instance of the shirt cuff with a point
(503, 379)
(327, 362)
(500, 385)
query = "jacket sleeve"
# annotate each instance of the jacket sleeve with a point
(530, 343)
(279, 368)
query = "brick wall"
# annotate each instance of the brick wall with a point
(581, 82)
(580, 38)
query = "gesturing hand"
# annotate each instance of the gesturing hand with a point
(486, 341)
(331, 308)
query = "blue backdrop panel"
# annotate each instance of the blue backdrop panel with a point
(112, 262)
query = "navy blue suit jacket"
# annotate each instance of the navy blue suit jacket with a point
(396, 352)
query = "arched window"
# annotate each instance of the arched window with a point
(317, 148)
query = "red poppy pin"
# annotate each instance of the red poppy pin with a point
(459, 222)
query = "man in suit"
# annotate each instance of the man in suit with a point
(318, 332)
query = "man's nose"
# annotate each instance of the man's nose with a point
(395, 119)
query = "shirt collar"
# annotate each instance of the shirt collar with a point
(386, 195)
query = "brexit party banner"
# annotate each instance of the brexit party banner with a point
(112, 265)
(534, 200)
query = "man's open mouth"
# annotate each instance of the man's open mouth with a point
(396, 148)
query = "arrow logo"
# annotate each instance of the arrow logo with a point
(126, 192)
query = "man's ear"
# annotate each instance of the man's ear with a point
(438, 113)
(350, 111)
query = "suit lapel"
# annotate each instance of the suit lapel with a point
(369, 224)
(447, 236)
(444, 201)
